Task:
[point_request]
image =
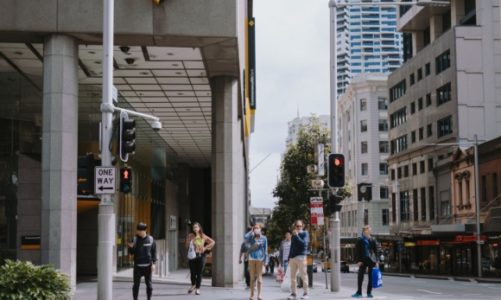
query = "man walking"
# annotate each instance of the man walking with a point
(366, 256)
(297, 258)
(144, 249)
(285, 248)
(244, 256)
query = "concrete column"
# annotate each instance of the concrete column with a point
(436, 27)
(227, 199)
(59, 154)
(457, 12)
(417, 42)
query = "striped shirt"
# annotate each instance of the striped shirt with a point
(286, 249)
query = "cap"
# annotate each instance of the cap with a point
(142, 226)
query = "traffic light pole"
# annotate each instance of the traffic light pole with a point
(106, 216)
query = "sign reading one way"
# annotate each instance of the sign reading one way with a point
(104, 180)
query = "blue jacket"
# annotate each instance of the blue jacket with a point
(299, 244)
(258, 248)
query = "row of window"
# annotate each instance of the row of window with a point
(427, 201)
(427, 71)
(383, 147)
(349, 218)
(404, 171)
(382, 125)
(382, 104)
(399, 144)
(383, 169)
(397, 91)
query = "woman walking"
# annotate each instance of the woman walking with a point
(198, 244)
(258, 255)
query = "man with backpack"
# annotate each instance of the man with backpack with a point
(144, 249)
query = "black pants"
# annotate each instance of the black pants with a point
(197, 269)
(138, 273)
(367, 264)
(246, 273)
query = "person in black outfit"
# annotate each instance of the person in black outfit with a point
(144, 249)
(366, 255)
(244, 256)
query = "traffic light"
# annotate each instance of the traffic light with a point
(335, 203)
(125, 180)
(336, 170)
(85, 174)
(127, 143)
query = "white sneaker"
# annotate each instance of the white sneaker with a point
(292, 297)
(305, 296)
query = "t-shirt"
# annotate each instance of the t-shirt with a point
(286, 249)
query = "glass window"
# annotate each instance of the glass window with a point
(427, 69)
(399, 117)
(423, 204)
(383, 169)
(444, 126)
(406, 171)
(383, 192)
(404, 206)
(429, 130)
(414, 169)
(431, 200)
(419, 74)
(383, 125)
(384, 147)
(385, 216)
(364, 147)
(382, 103)
(397, 91)
(363, 125)
(413, 136)
(421, 133)
(422, 166)
(415, 204)
(392, 173)
(363, 104)
(428, 99)
(443, 62)
(420, 103)
(413, 107)
(412, 79)
(365, 169)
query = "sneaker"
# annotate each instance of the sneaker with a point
(305, 296)
(292, 297)
(369, 295)
(197, 292)
(356, 295)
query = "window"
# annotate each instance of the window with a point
(406, 171)
(366, 217)
(413, 136)
(428, 99)
(383, 169)
(429, 130)
(470, 14)
(420, 103)
(413, 108)
(383, 125)
(423, 204)
(399, 144)
(446, 21)
(383, 147)
(426, 36)
(431, 200)
(414, 169)
(364, 147)
(430, 164)
(419, 74)
(392, 172)
(444, 126)
(393, 208)
(460, 192)
(363, 125)
(421, 167)
(415, 204)
(443, 62)
(382, 103)
(363, 104)
(365, 169)
(427, 69)
(404, 206)
(397, 91)
(399, 117)
(412, 79)
(385, 216)
(383, 192)
(421, 133)
(399, 172)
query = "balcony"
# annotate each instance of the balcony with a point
(418, 17)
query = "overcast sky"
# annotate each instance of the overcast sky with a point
(292, 41)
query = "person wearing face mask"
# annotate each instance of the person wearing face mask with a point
(198, 245)
(297, 258)
(366, 256)
(258, 256)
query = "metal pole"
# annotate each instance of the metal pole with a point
(325, 248)
(334, 220)
(106, 216)
(477, 204)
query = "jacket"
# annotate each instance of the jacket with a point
(374, 250)
(299, 244)
(258, 248)
(144, 251)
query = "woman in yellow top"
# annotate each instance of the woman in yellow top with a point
(198, 244)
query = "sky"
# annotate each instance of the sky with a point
(292, 71)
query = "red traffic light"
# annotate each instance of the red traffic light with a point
(337, 162)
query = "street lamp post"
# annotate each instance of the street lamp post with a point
(477, 208)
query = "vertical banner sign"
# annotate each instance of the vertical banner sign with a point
(321, 160)
(252, 62)
(317, 211)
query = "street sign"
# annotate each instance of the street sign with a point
(104, 180)
(317, 211)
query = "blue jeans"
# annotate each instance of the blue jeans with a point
(286, 265)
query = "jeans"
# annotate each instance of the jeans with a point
(286, 265)
(367, 264)
(138, 273)
(298, 265)
(196, 270)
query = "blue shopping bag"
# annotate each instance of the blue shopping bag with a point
(377, 278)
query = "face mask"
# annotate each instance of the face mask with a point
(257, 231)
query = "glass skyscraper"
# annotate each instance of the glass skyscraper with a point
(367, 40)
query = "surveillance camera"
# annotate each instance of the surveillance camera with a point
(125, 49)
(130, 60)
(156, 125)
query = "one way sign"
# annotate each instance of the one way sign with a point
(104, 180)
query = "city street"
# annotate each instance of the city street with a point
(400, 288)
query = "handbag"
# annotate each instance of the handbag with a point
(377, 278)
(191, 251)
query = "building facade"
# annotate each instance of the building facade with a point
(174, 60)
(297, 123)
(439, 98)
(363, 139)
(368, 41)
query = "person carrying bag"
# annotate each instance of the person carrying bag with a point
(366, 256)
